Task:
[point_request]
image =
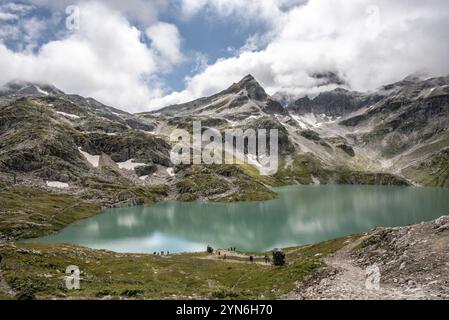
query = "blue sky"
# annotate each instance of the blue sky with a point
(206, 35)
(212, 38)
(140, 55)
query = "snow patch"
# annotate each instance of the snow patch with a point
(232, 123)
(316, 180)
(41, 91)
(68, 115)
(118, 115)
(57, 184)
(171, 172)
(93, 160)
(307, 121)
(129, 165)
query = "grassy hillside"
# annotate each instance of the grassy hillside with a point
(37, 271)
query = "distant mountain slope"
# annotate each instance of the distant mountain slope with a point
(338, 102)
(408, 127)
(63, 142)
(396, 135)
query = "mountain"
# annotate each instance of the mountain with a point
(67, 143)
(338, 102)
(408, 129)
(61, 142)
(240, 100)
(23, 89)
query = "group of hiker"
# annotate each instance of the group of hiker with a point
(278, 256)
(162, 253)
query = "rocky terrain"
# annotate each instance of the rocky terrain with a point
(412, 262)
(396, 135)
(67, 143)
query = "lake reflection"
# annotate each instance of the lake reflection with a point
(301, 215)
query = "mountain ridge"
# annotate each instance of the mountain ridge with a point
(398, 135)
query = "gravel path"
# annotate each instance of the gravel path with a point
(412, 263)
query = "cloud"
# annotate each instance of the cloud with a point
(143, 11)
(166, 40)
(105, 59)
(6, 16)
(265, 11)
(367, 43)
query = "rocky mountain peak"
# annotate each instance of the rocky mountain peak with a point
(24, 88)
(251, 86)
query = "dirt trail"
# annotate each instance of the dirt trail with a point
(387, 263)
(348, 281)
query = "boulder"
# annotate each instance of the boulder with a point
(278, 257)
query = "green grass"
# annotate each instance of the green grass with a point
(433, 171)
(240, 182)
(37, 271)
(28, 213)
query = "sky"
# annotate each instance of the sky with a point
(141, 55)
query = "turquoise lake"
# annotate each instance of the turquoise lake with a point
(300, 215)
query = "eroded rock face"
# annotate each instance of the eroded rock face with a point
(128, 145)
(347, 149)
(338, 102)
(146, 170)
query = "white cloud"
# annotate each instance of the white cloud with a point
(15, 8)
(104, 59)
(366, 42)
(166, 40)
(6, 16)
(144, 11)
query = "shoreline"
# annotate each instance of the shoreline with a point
(212, 203)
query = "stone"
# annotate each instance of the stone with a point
(278, 257)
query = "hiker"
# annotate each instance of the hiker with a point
(251, 259)
(219, 253)
(267, 259)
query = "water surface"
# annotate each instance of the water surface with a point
(301, 215)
